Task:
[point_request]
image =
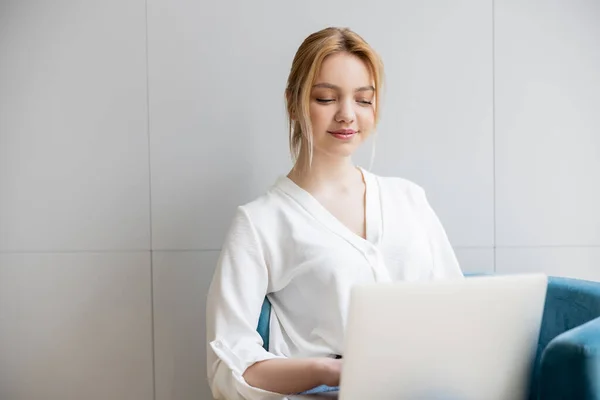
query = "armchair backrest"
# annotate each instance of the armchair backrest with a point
(263, 323)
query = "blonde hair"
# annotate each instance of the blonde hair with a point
(305, 69)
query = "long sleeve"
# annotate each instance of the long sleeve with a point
(234, 303)
(445, 263)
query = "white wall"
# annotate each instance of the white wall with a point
(130, 131)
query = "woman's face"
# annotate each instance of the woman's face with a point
(342, 109)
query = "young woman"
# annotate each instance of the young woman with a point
(315, 233)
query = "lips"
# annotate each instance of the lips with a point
(343, 134)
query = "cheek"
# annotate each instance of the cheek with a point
(319, 116)
(366, 118)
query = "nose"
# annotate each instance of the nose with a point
(345, 112)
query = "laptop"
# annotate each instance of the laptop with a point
(468, 339)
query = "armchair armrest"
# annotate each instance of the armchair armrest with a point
(569, 347)
(570, 365)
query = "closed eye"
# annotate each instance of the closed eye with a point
(324, 101)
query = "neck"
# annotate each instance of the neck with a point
(325, 170)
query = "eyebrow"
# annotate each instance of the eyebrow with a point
(330, 86)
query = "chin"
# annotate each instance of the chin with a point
(338, 152)
(338, 148)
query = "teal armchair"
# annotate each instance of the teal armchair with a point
(567, 365)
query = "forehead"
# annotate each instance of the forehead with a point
(345, 70)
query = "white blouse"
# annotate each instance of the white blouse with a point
(287, 246)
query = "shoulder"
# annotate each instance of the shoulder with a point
(249, 222)
(264, 208)
(400, 188)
